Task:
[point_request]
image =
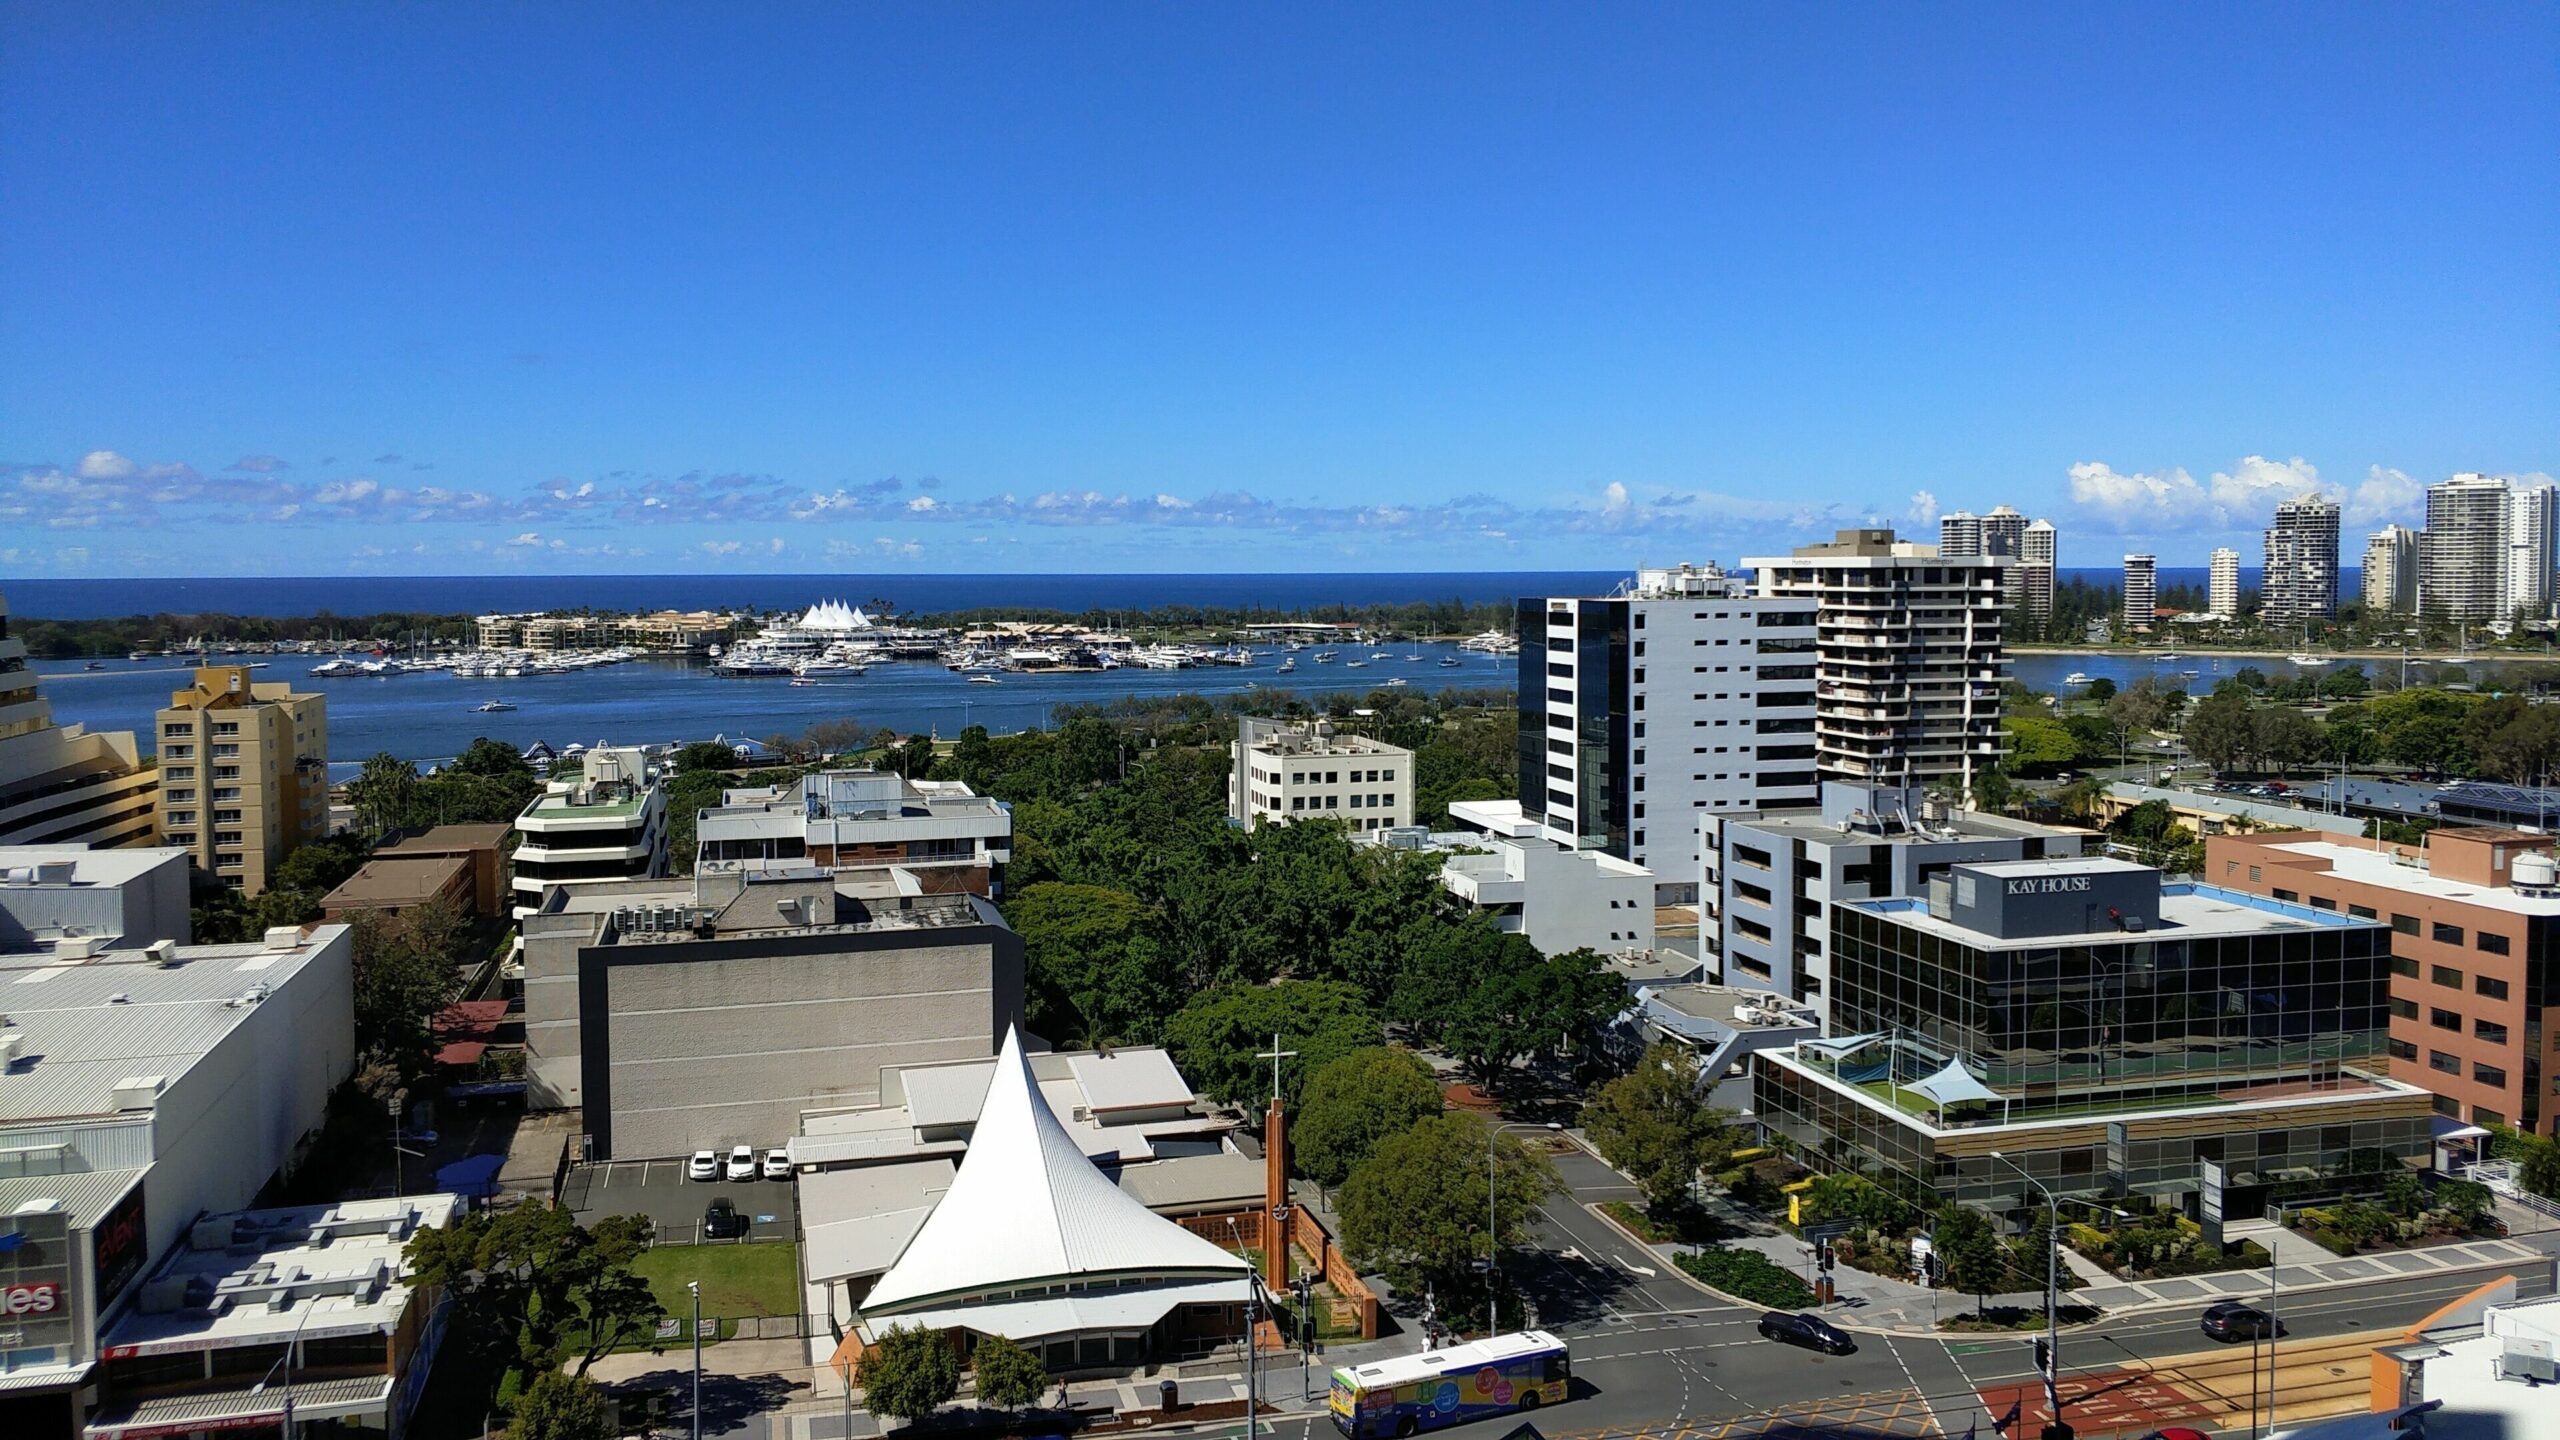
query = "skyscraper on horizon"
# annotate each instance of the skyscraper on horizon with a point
(2462, 557)
(2301, 582)
(2141, 591)
(2525, 580)
(2036, 547)
(2391, 570)
(2222, 584)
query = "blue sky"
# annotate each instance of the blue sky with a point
(628, 287)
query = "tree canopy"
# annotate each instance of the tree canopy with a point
(1655, 1124)
(1216, 1038)
(1354, 1102)
(910, 1374)
(534, 1289)
(1416, 1208)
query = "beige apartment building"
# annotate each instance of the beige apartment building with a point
(1311, 771)
(244, 773)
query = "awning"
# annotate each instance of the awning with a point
(248, 1407)
(1840, 1045)
(2448, 1128)
(1123, 1312)
(1953, 1086)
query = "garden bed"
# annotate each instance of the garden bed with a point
(1748, 1275)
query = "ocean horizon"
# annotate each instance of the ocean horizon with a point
(1284, 591)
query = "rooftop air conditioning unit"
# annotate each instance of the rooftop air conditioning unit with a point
(283, 937)
(163, 953)
(75, 947)
(138, 1092)
(53, 872)
(11, 1042)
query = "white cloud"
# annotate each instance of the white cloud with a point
(2243, 496)
(104, 465)
(774, 545)
(1613, 500)
(528, 538)
(721, 547)
(1172, 502)
(1923, 510)
(2387, 496)
(924, 505)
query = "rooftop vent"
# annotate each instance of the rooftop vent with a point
(11, 1042)
(75, 947)
(138, 1092)
(163, 953)
(283, 937)
(53, 872)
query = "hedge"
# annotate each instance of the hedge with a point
(1748, 1275)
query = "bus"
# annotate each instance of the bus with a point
(1451, 1386)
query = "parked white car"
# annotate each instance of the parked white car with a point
(777, 1164)
(742, 1163)
(705, 1165)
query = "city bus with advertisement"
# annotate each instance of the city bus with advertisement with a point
(1450, 1386)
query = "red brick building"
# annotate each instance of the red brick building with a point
(2475, 917)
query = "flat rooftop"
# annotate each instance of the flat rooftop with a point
(1725, 1005)
(88, 1025)
(2233, 807)
(1956, 828)
(857, 909)
(90, 869)
(445, 839)
(2377, 867)
(259, 1276)
(2188, 911)
(396, 880)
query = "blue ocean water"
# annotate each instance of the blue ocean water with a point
(914, 594)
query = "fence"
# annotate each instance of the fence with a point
(2500, 1177)
(1308, 1237)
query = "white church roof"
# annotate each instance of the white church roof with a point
(1028, 1208)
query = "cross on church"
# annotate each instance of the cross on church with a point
(1275, 1055)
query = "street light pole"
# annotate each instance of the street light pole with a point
(1492, 1238)
(1252, 1322)
(2055, 1427)
(695, 1288)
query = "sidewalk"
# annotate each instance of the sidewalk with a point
(1887, 1305)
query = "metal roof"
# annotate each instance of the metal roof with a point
(243, 1407)
(85, 1194)
(86, 1025)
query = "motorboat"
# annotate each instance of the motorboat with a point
(1327, 657)
(1287, 664)
(984, 679)
(1448, 662)
(491, 707)
(2306, 660)
(2075, 678)
(95, 665)
(1397, 682)
(1359, 664)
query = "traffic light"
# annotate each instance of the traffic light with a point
(2044, 1358)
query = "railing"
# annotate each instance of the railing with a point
(2500, 1177)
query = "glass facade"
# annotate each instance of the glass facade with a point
(1602, 739)
(2129, 1014)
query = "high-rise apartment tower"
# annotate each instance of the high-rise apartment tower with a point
(2301, 583)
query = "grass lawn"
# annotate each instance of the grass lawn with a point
(758, 1279)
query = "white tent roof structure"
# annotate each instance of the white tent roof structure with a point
(1953, 1086)
(1028, 1208)
(835, 615)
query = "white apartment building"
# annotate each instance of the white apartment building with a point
(59, 783)
(2391, 570)
(2301, 583)
(610, 823)
(2036, 545)
(2222, 583)
(2141, 591)
(930, 836)
(1312, 771)
(2463, 554)
(1497, 863)
(1683, 692)
(1960, 533)
(1908, 659)
(2004, 532)
(2525, 576)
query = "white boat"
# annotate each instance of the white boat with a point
(1397, 681)
(1359, 664)
(821, 669)
(801, 681)
(2167, 657)
(491, 707)
(1448, 662)
(327, 668)
(1380, 655)
(984, 679)
(139, 655)
(2075, 678)
(1327, 657)
(1286, 665)
(2306, 660)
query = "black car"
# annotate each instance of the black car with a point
(2231, 1320)
(722, 1221)
(1811, 1331)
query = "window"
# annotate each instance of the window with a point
(2445, 1020)
(2444, 934)
(2490, 942)
(2494, 989)
(2405, 924)
(2292, 897)
(2403, 1050)
(2444, 975)
(2403, 965)
(2361, 912)
(2405, 1009)
(2483, 1115)
(2449, 1064)
(2323, 902)
(2254, 876)
(2489, 1030)
(2489, 1075)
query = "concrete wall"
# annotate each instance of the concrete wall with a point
(149, 906)
(692, 1045)
(224, 1128)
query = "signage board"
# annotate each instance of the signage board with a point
(120, 1244)
(2209, 1200)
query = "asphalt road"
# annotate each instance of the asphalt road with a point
(1658, 1355)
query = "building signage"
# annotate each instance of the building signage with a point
(42, 1299)
(120, 1244)
(2209, 1179)
(2048, 885)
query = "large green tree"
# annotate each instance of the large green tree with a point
(1416, 1208)
(559, 1406)
(406, 973)
(1654, 1123)
(1008, 1376)
(1976, 1262)
(1095, 969)
(1355, 1102)
(1216, 1039)
(533, 1288)
(910, 1374)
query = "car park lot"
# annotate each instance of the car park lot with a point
(659, 1190)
